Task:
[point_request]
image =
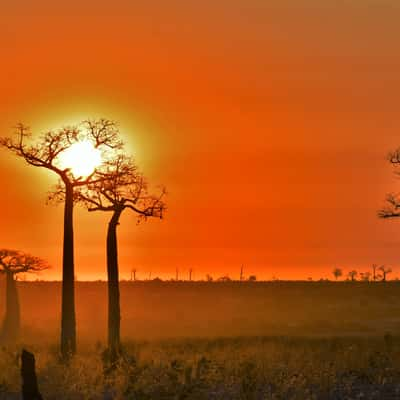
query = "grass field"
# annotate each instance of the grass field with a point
(234, 368)
(277, 340)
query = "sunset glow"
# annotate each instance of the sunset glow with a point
(82, 158)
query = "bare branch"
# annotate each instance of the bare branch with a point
(393, 208)
(15, 262)
(120, 186)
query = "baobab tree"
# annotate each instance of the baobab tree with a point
(117, 188)
(352, 275)
(12, 263)
(74, 154)
(337, 273)
(385, 271)
(365, 276)
(374, 274)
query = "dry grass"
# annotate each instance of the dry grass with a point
(231, 368)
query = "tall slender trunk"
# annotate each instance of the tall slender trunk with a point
(68, 324)
(12, 319)
(114, 313)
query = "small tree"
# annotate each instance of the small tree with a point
(12, 263)
(352, 275)
(224, 278)
(47, 153)
(117, 188)
(385, 271)
(337, 273)
(133, 274)
(252, 278)
(365, 276)
(374, 274)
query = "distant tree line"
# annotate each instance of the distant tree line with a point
(377, 273)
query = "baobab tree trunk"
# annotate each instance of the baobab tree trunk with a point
(12, 319)
(114, 313)
(68, 328)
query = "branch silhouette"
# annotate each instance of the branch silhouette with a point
(13, 262)
(45, 153)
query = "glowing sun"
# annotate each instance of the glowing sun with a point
(82, 158)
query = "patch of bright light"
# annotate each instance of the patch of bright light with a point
(82, 158)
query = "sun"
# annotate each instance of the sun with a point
(81, 158)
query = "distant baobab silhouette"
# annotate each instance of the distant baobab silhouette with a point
(337, 273)
(133, 274)
(385, 271)
(352, 275)
(48, 152)
(374, 269)
(117, 188)
(12, 263)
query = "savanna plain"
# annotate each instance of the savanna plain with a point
(216, 340)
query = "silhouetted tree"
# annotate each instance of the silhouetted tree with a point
(209, 278)
(241, 274)
(224, 278)
(12, 263)
(337, 273)
(374, 274)
(46, 153)
(385, 271)
(133, 274)
(252, 278)
(365, 276)
(392, 208)
(352, 275)
(119, 187)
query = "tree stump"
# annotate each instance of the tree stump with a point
(30, 390)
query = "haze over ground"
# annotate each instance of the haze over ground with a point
(268, 123)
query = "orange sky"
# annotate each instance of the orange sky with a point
(268, 122)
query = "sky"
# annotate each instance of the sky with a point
(269, 124)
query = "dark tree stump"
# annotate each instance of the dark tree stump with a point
(30, 390)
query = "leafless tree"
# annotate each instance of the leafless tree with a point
(224, 278)
(117, 188)
(352, 275)
(365, 276)
(392, 207)
(12, 263)
(374, 274)
(337, 273)
(385, 271)
(133, 274)
(46, 153)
